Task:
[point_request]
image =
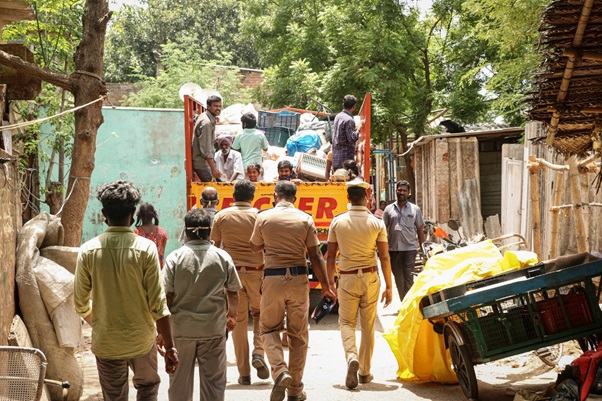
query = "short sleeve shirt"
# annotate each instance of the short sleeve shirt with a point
(202, 139)
(233, 227)
(356, 233)
(285, 232)
(401, 226)
(250, 143)
(199, 274)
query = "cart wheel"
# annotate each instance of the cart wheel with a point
(550, 355)
(463, 367)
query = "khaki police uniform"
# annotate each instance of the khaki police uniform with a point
(357, 233)
(285, 232)
(233, 227)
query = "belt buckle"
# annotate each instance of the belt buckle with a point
(294, 270)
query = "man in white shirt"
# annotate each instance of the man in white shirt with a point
(228, 161)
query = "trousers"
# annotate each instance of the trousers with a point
(402, 266)
(113, 377)
(358, 293)
(292, 293)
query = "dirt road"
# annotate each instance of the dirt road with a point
(325, 373)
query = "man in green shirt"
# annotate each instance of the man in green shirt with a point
(250, 142)
(120, 271)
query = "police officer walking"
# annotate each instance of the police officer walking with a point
(285, 233)
(232, 229)
(357, 235)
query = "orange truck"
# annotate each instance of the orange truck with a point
(323, 200)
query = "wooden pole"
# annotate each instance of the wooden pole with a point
(534, 191)
(558, 189)
(575, 180)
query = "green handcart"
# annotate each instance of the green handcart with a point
(516, 312)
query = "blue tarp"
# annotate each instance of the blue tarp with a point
(303, 141)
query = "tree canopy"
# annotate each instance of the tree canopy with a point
(210, 29)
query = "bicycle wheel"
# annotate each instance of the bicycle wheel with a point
(463, 367)
(550, 355)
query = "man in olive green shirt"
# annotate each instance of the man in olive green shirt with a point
(120, 271)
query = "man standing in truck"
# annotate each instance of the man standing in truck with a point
(403, 220)
(285, 284)
(232, 229)
(203, 139)
(250, 142)
(345, 134)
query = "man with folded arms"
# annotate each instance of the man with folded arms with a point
(232, 229)
(285, 232)
(357, 235)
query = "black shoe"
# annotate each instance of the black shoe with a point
(280, 385)
(300, 397)
(353, 365)
(365, 379)
(262, 369)
(244, 380)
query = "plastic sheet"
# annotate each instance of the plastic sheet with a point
(420, 352)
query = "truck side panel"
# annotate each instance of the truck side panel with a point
(322, 200)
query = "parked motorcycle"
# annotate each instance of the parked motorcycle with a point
(446, 241)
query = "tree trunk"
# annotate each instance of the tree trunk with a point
(87, 85)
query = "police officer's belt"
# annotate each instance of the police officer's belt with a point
(281, 271)
(356, 271)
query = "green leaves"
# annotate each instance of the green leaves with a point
(210, 28)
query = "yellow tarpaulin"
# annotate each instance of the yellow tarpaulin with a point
(421, 352)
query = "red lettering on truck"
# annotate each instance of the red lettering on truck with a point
(306, 204)
(326, 207)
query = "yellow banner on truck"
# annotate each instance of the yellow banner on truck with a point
(322, 200)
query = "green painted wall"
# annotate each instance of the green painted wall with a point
(146, 147)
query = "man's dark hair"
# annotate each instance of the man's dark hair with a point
(248, 120)
(349, 101)
(286, 190)
(356, 194)
(244, 191)
(118, 199)
(285, 164)
(212, 99)
(198, 224)
(351, 165)
(404, 183)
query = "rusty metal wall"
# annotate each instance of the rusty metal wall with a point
(10, 223)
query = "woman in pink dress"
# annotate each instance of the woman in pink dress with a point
(147, 226)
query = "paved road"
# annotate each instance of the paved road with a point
(325, 373)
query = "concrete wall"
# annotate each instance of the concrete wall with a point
(145, 146)
(10, 223)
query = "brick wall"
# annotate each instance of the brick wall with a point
(10, 222)
(251, 79)
(117, 91)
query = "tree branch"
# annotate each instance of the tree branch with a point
(32, 70)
